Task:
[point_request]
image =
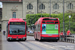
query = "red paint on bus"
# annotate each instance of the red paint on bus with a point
(38, 29)
(16, 29)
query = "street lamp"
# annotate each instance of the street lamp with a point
(30, 19)
(69, 21)
(63, 17)
(35, 18)
(41, 9)
(63, 22)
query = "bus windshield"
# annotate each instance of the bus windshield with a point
(16, 29)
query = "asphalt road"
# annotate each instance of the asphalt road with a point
(31, 44)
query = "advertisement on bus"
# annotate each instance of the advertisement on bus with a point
(49, 28)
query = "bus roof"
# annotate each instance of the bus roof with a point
(40, 19)
(46, 17)
(16, 20)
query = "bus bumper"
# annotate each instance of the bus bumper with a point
(9, 38)
(50, 38)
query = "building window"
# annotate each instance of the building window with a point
(42, 6)
(14, 15)
(55, 6)
(70, 6)
(29, 6)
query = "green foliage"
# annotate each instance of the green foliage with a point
(32, 18)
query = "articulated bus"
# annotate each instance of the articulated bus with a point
(16, 29)
(47, 28)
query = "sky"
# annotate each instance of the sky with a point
(0, 4)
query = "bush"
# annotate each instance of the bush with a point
(32, 18)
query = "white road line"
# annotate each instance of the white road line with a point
(47, 46)
(31, 46)
(62, 46)
(21, 46)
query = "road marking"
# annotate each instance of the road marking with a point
(22, 46)
(47, 46)
(31, 46)
(62, 46)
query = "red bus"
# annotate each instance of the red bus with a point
(47, 28)
(16, 29)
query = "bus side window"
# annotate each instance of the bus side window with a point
(26, 28)
(38, 27)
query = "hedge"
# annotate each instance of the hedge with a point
(32, 18)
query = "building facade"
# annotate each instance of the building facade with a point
(19, 8)
(0, 17)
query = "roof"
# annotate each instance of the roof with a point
(16, 20)
(10, 0)
(40, 19)
(46, 17)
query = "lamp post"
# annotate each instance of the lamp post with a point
(63, 17)
(69, 21)
(41, 10)
(30, 19)
(63, 22)
(35, 13)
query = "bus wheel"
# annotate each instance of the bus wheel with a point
(40, 40)
(36, 39)
(24, 40)
(8, 40)
(55, 40)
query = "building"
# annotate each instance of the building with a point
(19, 8)
(0, 17)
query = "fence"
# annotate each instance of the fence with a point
(70, 39)
(70, 26)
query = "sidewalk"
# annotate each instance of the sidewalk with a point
(0, 42)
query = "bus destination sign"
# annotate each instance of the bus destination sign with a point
(17, 23)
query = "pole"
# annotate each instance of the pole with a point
(30, 21)
(63, 19)
(50, 9)
(35, 13)
(69, 23)
(41, 11)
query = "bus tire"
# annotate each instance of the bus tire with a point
(8, 40)
(56, 41)
(40, 40)
(36, 39)
(24, 39)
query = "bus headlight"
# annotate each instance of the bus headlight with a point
(10, 38)
(23, 37)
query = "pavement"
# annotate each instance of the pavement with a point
(31, 44)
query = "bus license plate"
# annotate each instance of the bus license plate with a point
(49, 35)
(16, 39)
